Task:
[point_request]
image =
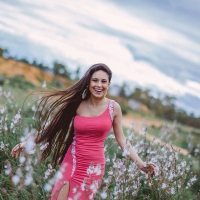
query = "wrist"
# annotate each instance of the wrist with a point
(141, 165)
(23, 144)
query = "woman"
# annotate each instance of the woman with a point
(82, 118)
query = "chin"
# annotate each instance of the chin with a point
(98, 96)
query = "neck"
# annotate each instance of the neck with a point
(96, 101)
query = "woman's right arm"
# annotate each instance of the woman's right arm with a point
(20, 148)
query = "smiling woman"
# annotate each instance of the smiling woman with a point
(81, 119)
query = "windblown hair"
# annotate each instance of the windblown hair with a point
(56, 111)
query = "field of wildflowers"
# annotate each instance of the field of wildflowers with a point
(26, 178)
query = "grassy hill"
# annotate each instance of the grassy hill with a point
(11, 68)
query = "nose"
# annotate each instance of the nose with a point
(99, 84)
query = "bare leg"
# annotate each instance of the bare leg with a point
(62, 186)
(64, 191)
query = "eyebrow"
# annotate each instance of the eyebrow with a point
(102, 79)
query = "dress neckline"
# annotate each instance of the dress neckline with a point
(97, 115)
(93, 116)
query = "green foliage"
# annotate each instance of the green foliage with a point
(164, 107)
(123, 90)
(77, 73)
(57, 84)
(20, 82)
(2, 52)
(40, 66)
(61, 70)
(2, 80)
(125, 109)
(10, 135)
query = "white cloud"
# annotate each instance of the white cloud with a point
(193, 88)
(57, 26)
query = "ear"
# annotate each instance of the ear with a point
(109, 83)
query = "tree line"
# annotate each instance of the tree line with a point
(163, 107)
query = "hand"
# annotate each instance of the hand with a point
(18, 149)
(149, 168)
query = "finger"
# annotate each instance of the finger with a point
(13, 152)
(17, 153)
(20, 154)
(153, 170)
(150, 163)
(15, 149)
(16, 146)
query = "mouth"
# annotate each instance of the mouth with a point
(98, 90)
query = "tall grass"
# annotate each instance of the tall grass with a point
(26, 178)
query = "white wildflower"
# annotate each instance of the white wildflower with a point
(30, 145)
(164, 185)
(126, 150)
(2, 146)
(193, 179)
(17, 117)
(44, 146)
(15, 179)
(172, 191)
(22, 159)
(58, 175)
(103, 194)
(8, 171)
(47, 187)
(110, 172)
(111, 136)
(3, 110)
(44, 85)
(91, 196)
(28, 179)
(97, 169)
(94, 186)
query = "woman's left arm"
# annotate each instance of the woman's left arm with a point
(122, 141)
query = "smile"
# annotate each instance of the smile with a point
(98, 90)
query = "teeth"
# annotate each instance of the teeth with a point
(98, 90)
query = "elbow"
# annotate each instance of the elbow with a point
(121, 141)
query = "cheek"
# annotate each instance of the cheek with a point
(92, 84)
(106, 87)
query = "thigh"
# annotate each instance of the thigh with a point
(64, 191)
(62, 185)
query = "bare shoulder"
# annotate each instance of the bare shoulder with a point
(117, 106)
(81, 107)
(117, 109)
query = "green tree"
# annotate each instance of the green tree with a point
(77, 73)
(123, 90)
(2, 51)
(61, 70)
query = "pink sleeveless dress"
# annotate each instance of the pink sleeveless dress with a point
(84, 163)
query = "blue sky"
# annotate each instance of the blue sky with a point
(153, 44)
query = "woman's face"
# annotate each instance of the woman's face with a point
(99, 83)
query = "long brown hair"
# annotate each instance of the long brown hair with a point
(55, 113)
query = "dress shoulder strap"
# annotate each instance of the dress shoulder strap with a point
(111, 109)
